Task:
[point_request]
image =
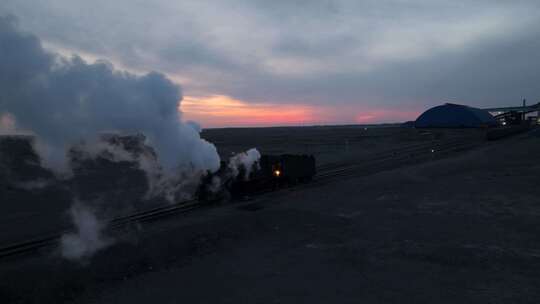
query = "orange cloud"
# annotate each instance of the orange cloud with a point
(220, 110)
(373, 116)
(224, 111)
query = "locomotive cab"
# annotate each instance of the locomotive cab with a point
(288, 168)
(269, 173)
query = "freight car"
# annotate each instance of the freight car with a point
(269, 173)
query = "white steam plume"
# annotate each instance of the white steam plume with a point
(88, 237)
(63, 100)
(245, 160)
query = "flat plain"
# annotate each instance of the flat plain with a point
(421, 216)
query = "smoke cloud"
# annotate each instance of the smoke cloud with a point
(88, 238)
(240, 166)
(244, 160)
(70, 105)
(62, 100)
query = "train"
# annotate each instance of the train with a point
(269, 173)
(111, 171)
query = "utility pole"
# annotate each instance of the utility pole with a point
(524, 106)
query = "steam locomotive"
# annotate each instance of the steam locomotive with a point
(271, 172)
(111, 172)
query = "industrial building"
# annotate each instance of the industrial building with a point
(505, 115)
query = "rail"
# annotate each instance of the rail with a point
(388, 159)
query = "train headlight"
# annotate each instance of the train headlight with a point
(277, 173)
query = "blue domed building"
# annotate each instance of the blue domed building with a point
(455, 116)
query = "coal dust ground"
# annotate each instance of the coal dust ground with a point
(464, 229)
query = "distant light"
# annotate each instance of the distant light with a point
(504, 123)
(432, 150)
(365, 128)
(277, 173)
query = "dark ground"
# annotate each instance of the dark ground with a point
(328, 143)
(26, 212)
(458, 230)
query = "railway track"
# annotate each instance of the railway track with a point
(326, 173)
(422, 147)
(396, 158)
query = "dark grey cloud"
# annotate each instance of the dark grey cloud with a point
(374, 53)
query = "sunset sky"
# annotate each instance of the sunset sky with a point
(294, 62)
